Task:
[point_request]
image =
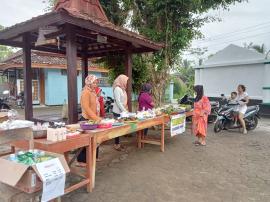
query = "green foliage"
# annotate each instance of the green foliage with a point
(256, 47)
(186, 73)
(115, 63)
(180, 88)
(4, 50)
(174, 22)
(51, 4)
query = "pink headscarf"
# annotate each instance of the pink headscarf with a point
(121, 81)
(90, 79)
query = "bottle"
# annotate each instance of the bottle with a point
(13, 157)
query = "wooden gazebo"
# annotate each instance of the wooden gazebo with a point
(79, 28)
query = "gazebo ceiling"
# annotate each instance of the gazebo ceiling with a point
(101, 36)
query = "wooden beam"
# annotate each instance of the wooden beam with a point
(71, 54)
(27, 77)
(93, 37)
(84, 64)
(30, 25)
(108, 31)
(128, 65)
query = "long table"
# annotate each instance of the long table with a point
(90, 140)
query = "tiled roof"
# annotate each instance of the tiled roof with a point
(42, 59)
(77, 15)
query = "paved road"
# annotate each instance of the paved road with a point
(231, 168)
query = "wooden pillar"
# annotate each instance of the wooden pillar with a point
(84, 64)
(42, 86)
(128, 65)
(71, 54)
(27, 76)
(15, 82)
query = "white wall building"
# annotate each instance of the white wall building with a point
(232, 66)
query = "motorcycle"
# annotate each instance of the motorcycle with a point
(20, 100)
(108, 102)
(214, 107)
(226, 118)
(4, 101)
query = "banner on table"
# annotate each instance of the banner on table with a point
(178, 124)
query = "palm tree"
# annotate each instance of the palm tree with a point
(259, 48)
(256, 47)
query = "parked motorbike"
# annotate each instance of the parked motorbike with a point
(4, 101)
(186, 100)
(214, 107)
(108, 103)
(226, 118)
(20, 100)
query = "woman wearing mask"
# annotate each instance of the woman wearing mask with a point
(120, 103)
(90, 109)
(202, 109)
(243, 99)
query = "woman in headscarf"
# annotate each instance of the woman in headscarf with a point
(145, 100)
(90, 109)
(120, 104)
(202, 109)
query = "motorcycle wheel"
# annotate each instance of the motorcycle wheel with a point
(4, 106)
(218, 126)
(212, 118)
(254, 123)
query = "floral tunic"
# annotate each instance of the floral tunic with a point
(202, 109)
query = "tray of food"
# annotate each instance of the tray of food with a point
(129, 120)
(88, 125)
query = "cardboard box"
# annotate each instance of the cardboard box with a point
(3, 116)
(23, 177)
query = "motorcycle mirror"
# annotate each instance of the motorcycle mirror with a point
(6, 92)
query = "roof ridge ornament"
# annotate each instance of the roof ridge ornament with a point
(91, 8)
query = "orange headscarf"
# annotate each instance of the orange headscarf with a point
(121, 81)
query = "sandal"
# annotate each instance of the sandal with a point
(119, 148)
(81, 164)
(196, 142)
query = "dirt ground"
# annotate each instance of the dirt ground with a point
(231, 168)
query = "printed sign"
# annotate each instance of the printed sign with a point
(178, 124)
(53, 177)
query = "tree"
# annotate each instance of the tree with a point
(174, 22)
(256, 47)
(186, 72)
(4, 50)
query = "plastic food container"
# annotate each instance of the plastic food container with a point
(39, 134)
(105, 125)
(87, 126)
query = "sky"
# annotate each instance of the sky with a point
(242, 23)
